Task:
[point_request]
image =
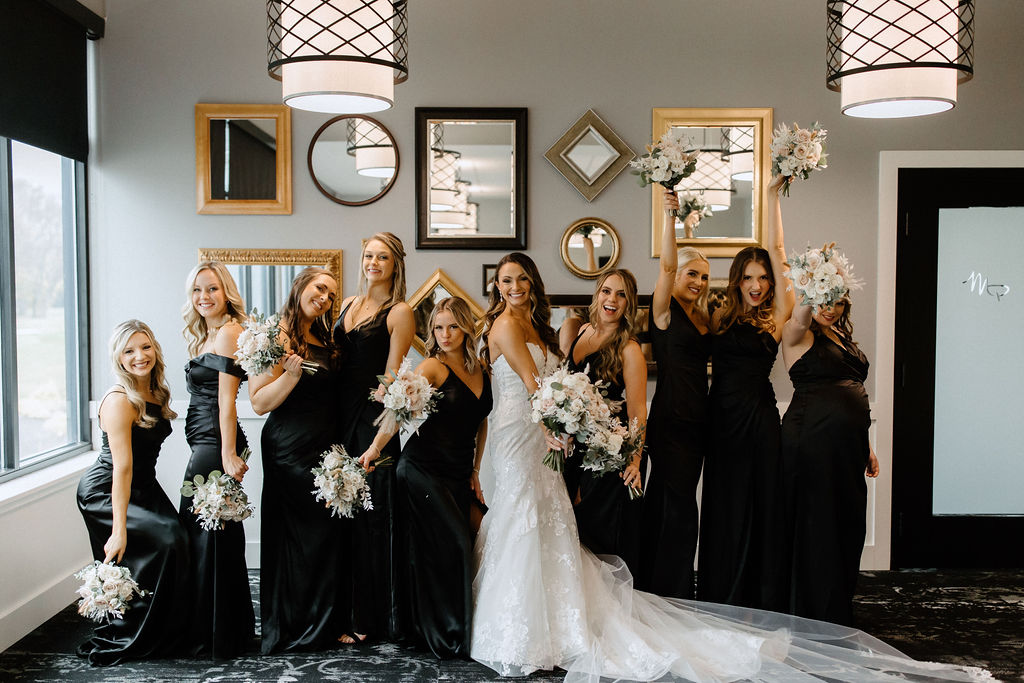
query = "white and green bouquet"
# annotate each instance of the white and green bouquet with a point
(218, 498)
(667, 161)
(611, 446)
(689, 202)
(570, 406)
(408, 399)
(106, 590)
(341, 483)
(260, 347)
(797, 151)
(821, 276)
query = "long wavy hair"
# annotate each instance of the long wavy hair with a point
(608, 364)
(157, 383)
(459, 309)
(684, 257)
(196, 331)
(842, 323)
(762, 316)
(397, 293)
(292, 312)
(540, 308)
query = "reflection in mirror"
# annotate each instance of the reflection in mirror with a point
(589, 247)
(590, 154)
(714, 181)
(437, 287)
(353, 160)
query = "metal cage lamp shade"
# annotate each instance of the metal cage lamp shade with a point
(712, 179)
(372, 148)
(738, 146)
(899, 58)
(338, 56)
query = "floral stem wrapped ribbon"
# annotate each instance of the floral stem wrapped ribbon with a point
(611, 446)
(341, 483)
(259, 346)
(568, 404)
(106, 590)
(667, 162)
(821, 276)
(408, 399)
(218, 498)
(797, 151)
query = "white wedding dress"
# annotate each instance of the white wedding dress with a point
(543, 601)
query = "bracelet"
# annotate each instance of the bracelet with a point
(477, 470)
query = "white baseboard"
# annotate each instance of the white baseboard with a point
(34, 612)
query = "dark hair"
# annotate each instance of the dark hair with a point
(609, 357)
(842, 323)
(540, 308)
(321, 327)
(761, 316)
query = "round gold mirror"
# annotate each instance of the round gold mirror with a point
(353, 160)
(590, 246)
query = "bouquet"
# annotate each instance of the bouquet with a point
(568, 404)
(341, 483)
(689, 203)
(821, 276)
(106, 590)
(408, 399)
(259, 346)
(797, 151)
(218, 498)
(611, 447)
(667, 161)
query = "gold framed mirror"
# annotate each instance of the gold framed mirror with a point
(732, 176)
(264, 276)
(589, 247)
(437, 287)
(243, 159)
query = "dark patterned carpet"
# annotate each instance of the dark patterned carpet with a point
(967, 617)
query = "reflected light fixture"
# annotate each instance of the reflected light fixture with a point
(372, 148)
(444, 172)
(738, 150)
(338, 56)
(898, 58)
(712, 179)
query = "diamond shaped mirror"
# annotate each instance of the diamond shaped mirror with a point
(589, 155)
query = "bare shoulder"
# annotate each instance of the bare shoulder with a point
(433, 369)
(116, 411)
(400, 310)
(227, 339)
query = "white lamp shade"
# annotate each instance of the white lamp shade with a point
(375, 162)
(898, 93)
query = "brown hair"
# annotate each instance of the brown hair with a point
(842, 323)
(540, 308)
(397, 294)
(609, 357)
(762, 316)
(292, 310)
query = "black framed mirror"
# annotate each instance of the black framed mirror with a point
(353, 160)
(471, 178)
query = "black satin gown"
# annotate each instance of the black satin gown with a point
(303, 558)
(742, 557)
(222, 623)
(434, 489)
(156, 552)
(607, 520)
(377, 590)
(677, 440)
(824, 453)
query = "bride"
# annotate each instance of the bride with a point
(541, 600)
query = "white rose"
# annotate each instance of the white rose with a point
(814, 259)
(802, 135)
(107, 572)
(801, 150)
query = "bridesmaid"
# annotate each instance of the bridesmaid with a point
(437, 482)
(129, 517)
(303, 564)
(606, 347)
(741, 559)
(375, 331)
(223, 624)
(825, 455)
(678, 426)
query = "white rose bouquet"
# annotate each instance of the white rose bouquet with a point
(690, 202)
(218, 498)
(569, 405)
(667, 162)
(259, 347)
(797, 151)
(408, 399)
(341, 483)
(821, 276)
(611, 447)
(106, 590)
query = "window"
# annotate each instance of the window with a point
(43, 335)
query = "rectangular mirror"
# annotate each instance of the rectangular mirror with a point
(471, 178)
(731, 176)
(243, 159)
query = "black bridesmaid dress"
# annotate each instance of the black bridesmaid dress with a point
(222, 619)
(824, 453)
(677, 442)
(156, 552)
(607, 520)
(742, 557)
(303, 559)
(434, 487)
(378, 603)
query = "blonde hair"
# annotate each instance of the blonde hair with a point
(608, 364)
(459, 309)
(157, 383)
(687, 255)
(196, 331)
(397, 293)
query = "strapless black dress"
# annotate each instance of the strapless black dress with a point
(222, 619)
(677, 440)
(303, 559)
(824, 453)
(434, 488)
(156, 552)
